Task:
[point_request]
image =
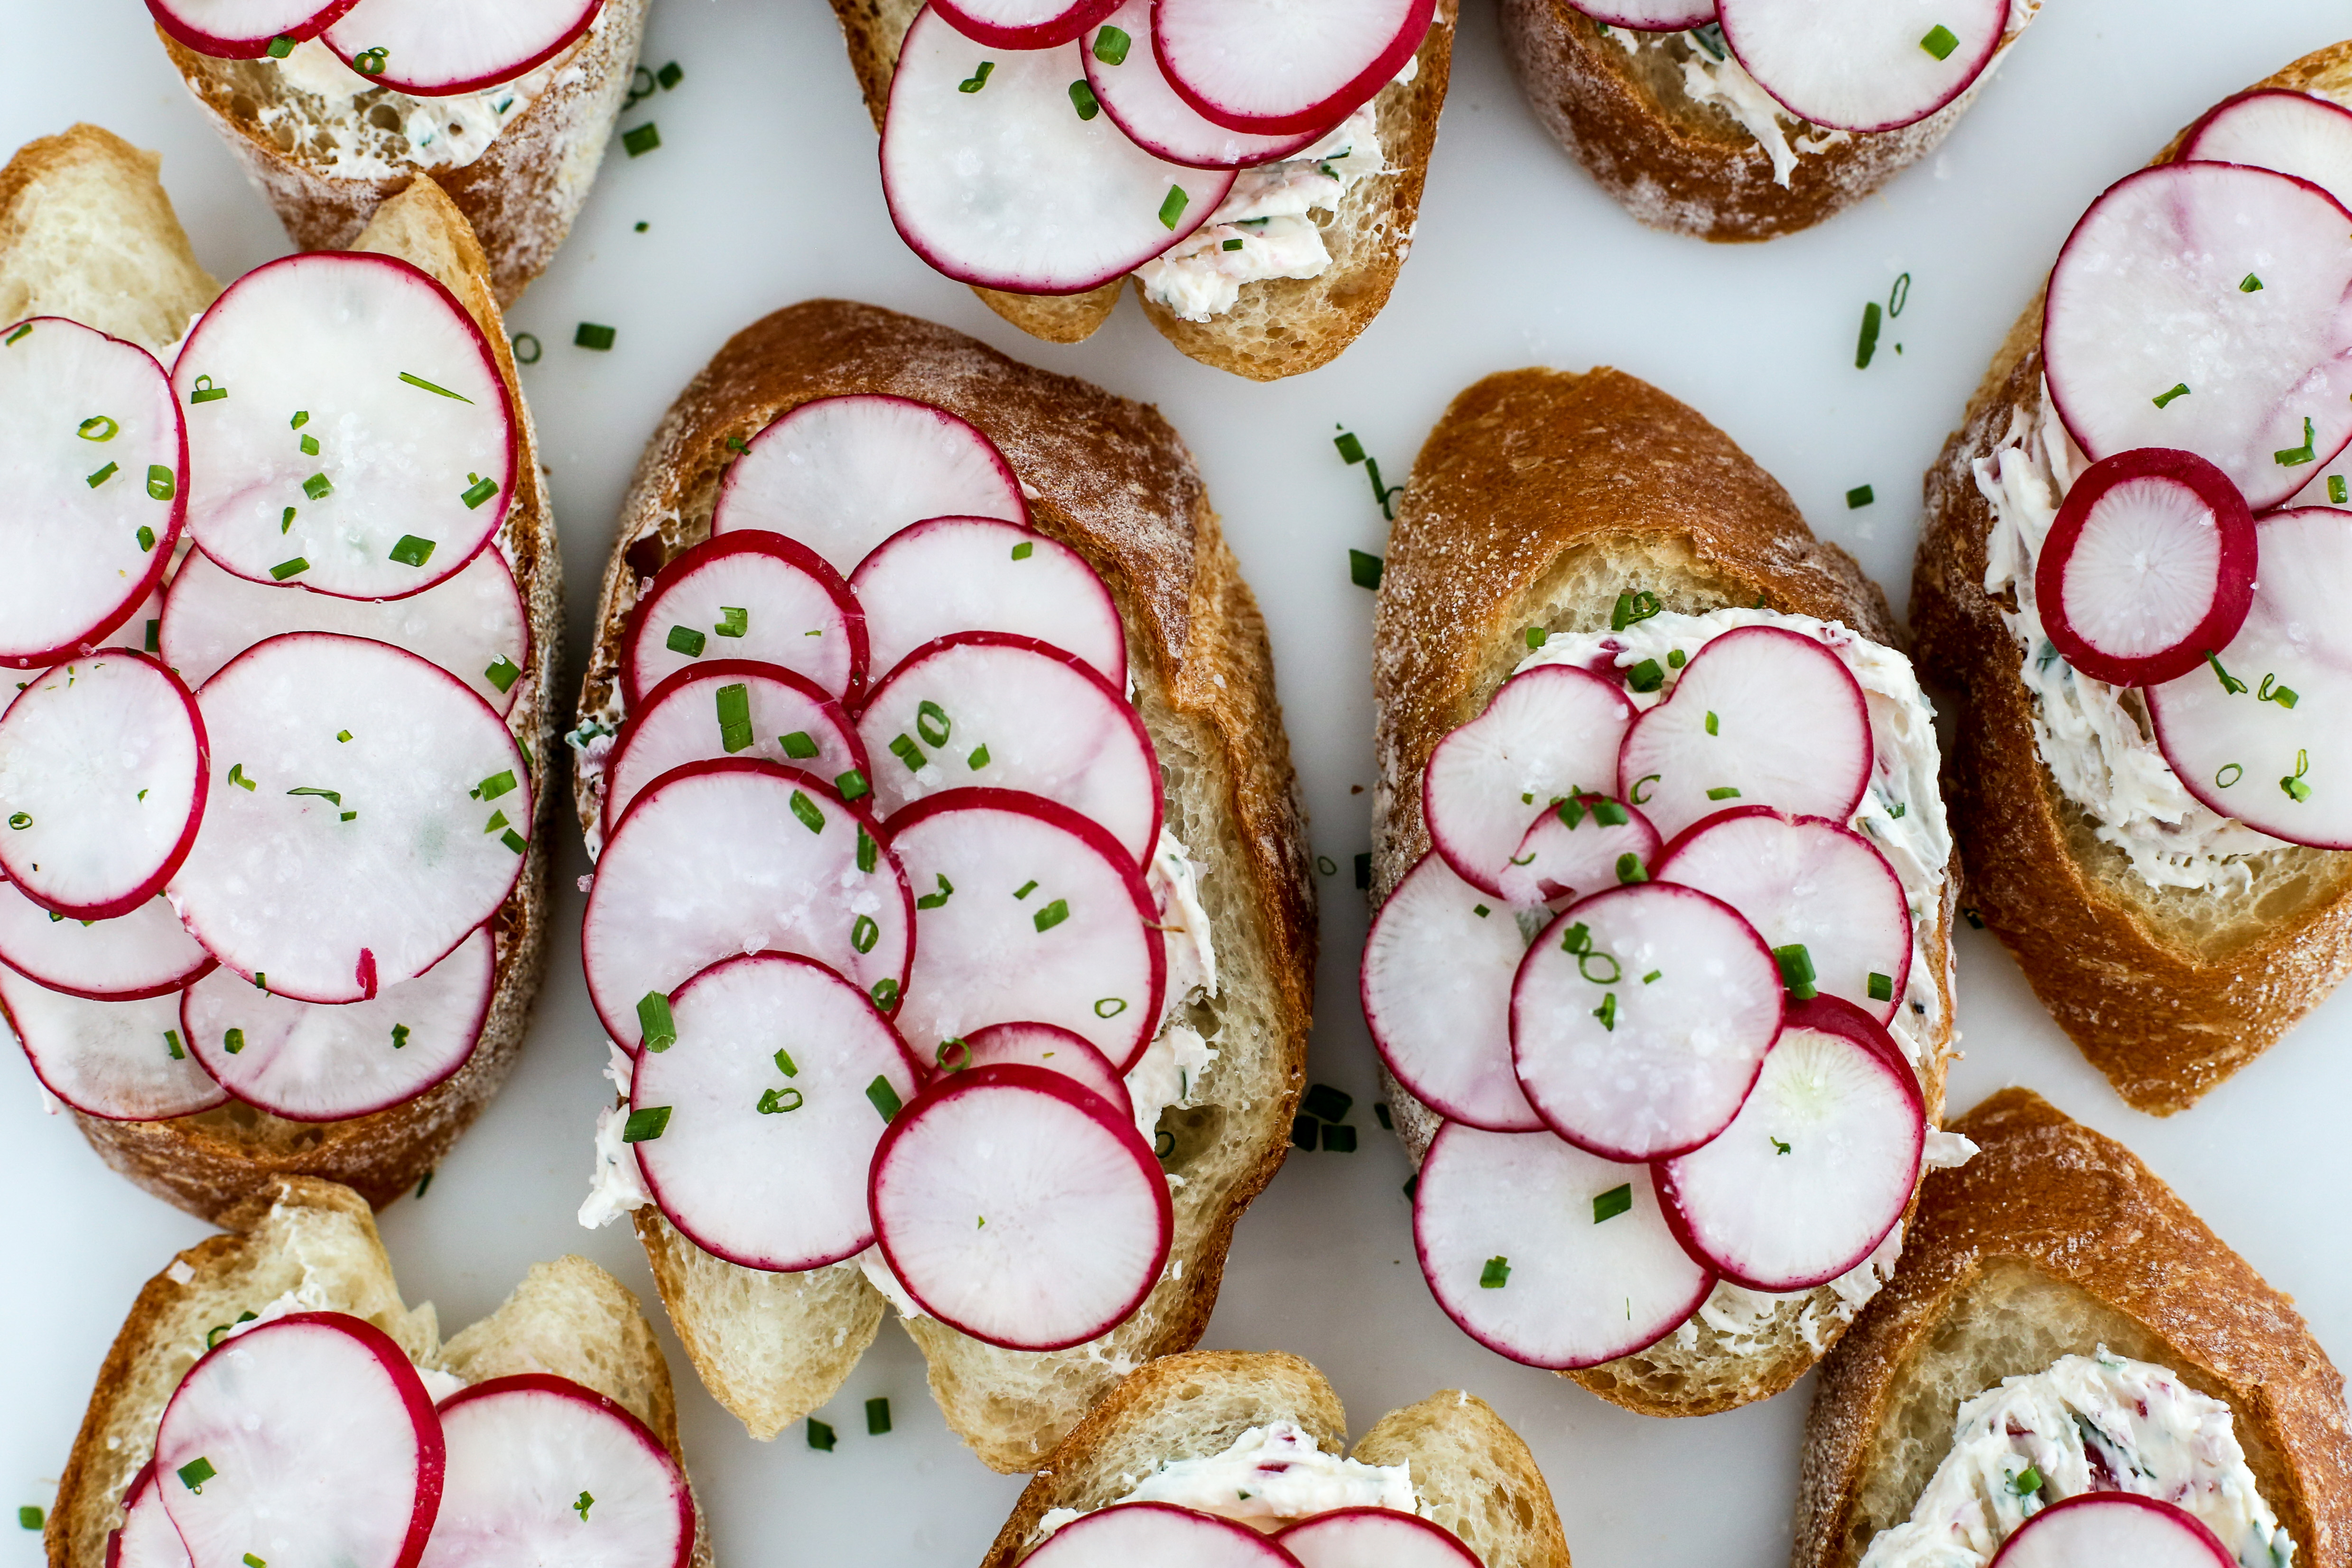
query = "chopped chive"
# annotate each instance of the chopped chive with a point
(103, 475)
(203, 392)
(686, 640)
(503, 673)
(734, 704)
(1724, 792)
(978, 759)
(237, 776)
(317, 486)
(931, 722)
(146, 538)
(21, 332)
(644, 1126)
(198, 1470)
(1609, 1205)
(864, 932)
(2027, 1482)
(1364, 570)
(495, 785)
(1232, 244)
(1676, 658)
(2293, 783)
(734, 620)
(904, 749)
(1881, 986)
(937, 899)
(1710, 721)
(590, 335)
(1082, 98)
(400, 1037)
(1629, 870)
(877, 1417)
(2249, 284)
(798, 745)
(1380, 1112)
(1976, 921)
(1591, 956)
(1303, 1132)
(286, 523)
(820, 1435)
(234, 1040)
(2230, 774)
(1941, 41)
(885, 1098)
(1645, 677)
(1171, 206)
(1327, 865)
(1495, 1274)
(658, 1029)
(1632, 606)
(670, 75)
(1364, 869)
(20, 821)
(302, 417)
(371, 62)
(1026, 889)
(286, 569)
(344, 735)
(350, 817)
(978, 79)
(1110, 1007)
(2270, 692)
(310, 444)
(1652, 978)
(1868, 343)
(98, 427)
(154, 643)
(869, 853)
(1327, 1103)
(852, 785)
(1610, 814)
(1778, 1146)
(581, 1504)
(1535, 636)
(2179, 389)
(1607, 1012)
(1797, 971)
(514, 841)
(2336, 491)
(1861, 496)
(412, 550)
(885, 994)
(1024, 549)
(1481, 911)
(786, 1064)
(30, 1517)
(1111, 45)
(1577, 938)
(172, 1043)
(640, 140)
(2295, 457)
(478, 491)
(1053, 915)
(2229, 682)
(771, 1103)
(807, 810)
(327, 794)
(1338, 1140)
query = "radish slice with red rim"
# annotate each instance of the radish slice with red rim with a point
(1005, 186)
(102, 771)
(348, 428)
(145, 1538)
(1022, 24)
(777, 1089)
(1150, 1535)
(434, 48)
(1649, 15)
(1545, 1253)
(1274, 66)
(1549, 733)
(1123, 71)
(367, 813)
(1819, 1165)
(1762, 716)
(1021, 1208)
(1026, 911)
(97, 469)
(1044, 1045)
(1864, 65)
(306, 1438)
(842, 474)
(1639, 1019)
(1578, 848)
(306, 1063)
(734, 707)
(1377, 1537)
(2225, 281)
(2113, 1529)
(740, 856)
(121, 1061)
(2148, 567)
(243, 30)
(947, 575)
(541, 1470)
(144, 952)
(2295, 133)
(747, 595)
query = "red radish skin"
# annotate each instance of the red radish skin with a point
(243, 30)
(2296, 133)
(1042, 1045)
(145, 1538)
(1134, 91)
(946, 575)
(1650, 15)
(1024, 24)
(798, 613)
(1548, 733)
(108, 1060)
(1275, 66)
(434, 48)
(678, 723)
(2113, 1529)
(1574, 854)
(145, 953)
(1863, 64)
(1153, 1534)
(1383, 1537)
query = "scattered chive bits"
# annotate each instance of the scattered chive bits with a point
(820, 1435)
(1110, 1006)
(1495, 1274)
(30, 1517)
(1941, 41)
(877, 1417)
(2180, 390)
(1534, 637)
(503, 673)
(203, 392)
(654, 1023)
(2336, 491)
(286, 569)
(2249, 284)
(852, 785)
(195, 1473)
(2294, 456)
(1881, 986)
(1024, 550)
(530, 356)
(98, 427)
(1171, 206)
(885, 1098)
(412, 550)
(1868, 345)
(1632, 606)
(797, 746)
(146, 538)
(1630, 870)
(400, 1037)
(645, 1125)
(978, 79)
(734, 620)
(1233, 244)
(1082, 98)
(590, 335)
(1303, 1133)
(640, 140)
(686, 640)
(161, 483)
(1797, 971)
(811, 816)
(478, 491)
(1364, 869)
(1053, 915)
(1861, 496)
(1645, 677)
(1111, 45)
(103, 475)
(1364, 570)
(1609, 1205)
(1327, 1103)
(582, 1503)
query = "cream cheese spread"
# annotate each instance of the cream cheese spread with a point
(1711, 76)
(427, 133)
(1269, 1475)
(617, 1186)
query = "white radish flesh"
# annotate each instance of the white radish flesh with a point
(1015, 1206)
(312, 460)
(1373, 1538)
(1123, 69)
(1024, 24)
(1273, 66)
(1039, 1045)
(124, 1061)
(1157, 1535)
(2113, 1529)
(144, 952)
(747, 595)
(436, 48)
(145, 1538)
(1864, 65)
(734, 707)
(1650, 15)
(947, 575)
(1578, 848)
(1544, 1253)
(243, 30)
(1550, 733)
(2293, 132)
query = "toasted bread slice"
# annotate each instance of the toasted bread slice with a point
(326, 168)
(314, 1244)
(2053, 1241)
(1470, 1471)
(1538, 497)
(86, 231)
(2168, 991)
(1282, 327)
(1111, 479)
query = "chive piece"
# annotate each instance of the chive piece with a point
(885, 1098)
(1868, 343)
(154, 637)
(1351, 451)
(670, 75)
(938, 900)
(978, 759)
(302, 417)
(1632, 606)
(1110, 1007)
(195, 1473)
(658, 1029)
(146, 538)
(869, 853)
(98, 427)
(1607, 1012)
(371, 62)
(19, 334)
(30, 1517)
(20, 821)
(1026, 889)
(1941, 41)
(2336, 491)
(589, 335)
(478, 491)
(931, 722)
(286, 569)
(1364, 869)
(1797, 971)
(503, 673)
(807, 810)
(1327, 1103)
(495, 785)
(877, 1417)
(582, 1503)
(428, 386)
(2027, 1482)
(771, 1102)
(864, 932)
(1571, 812)
(978, 79)
(786, 1064)
(2270, 692)
(400, 1037)
(237, 776)
(1495, 1274)
(1629, 870)
(412, 550)
(1338, 1140)
(2297, 789)
(203, 392)
(799, 745)
(310, 444)
(734, 705)
(1024, 549)
(343, 736)
(103, 475)
(1232, 244)
(1609, 1205)
(640, 140)
(904, 749)
(885, 994)
(2250, 285)
(686, 640)
(1535, 636)
(1111, 45)
(1881, 986)
(853, 787)
(1652, 978)
(2179, 389)
(2229, 682)
(1481, 911)
(1710, 721)
(514, 841)
(1645, 677)
(234, 1040)
(1610, 814)
(1976, 921)
(644, 1126)
(820, 1435)
(1171, 206)
(1861, 496)
(350, 817)
(734, 620)
(317, 486)
(1053, 915)
(1778, 1146)
(1724, 792)
(1082, 98)
(327, 794)
(172, 1043)
(286, 523)
(2295, 457)
(1591, 956)
(1303, 1133)
(1364, 570)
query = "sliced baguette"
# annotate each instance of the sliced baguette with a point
(1539, 496)
(1112, 480)
(2053, 1241)
(316, 1243)
(2167, 990)
(87, 231)
(1470, 1471)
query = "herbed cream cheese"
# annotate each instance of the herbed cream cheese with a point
(1711, 76)
(432, 132)
(1269, 1475)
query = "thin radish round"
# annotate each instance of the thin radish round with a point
(306, 1063)
(1012, 713)
(436, 47)
(472, 624)
(2261, 734)
(1042, 1045)
(2295, 133)
(734, 707)
(305, 1440)
(1007, 185)
(1639, 1019)
(2113, 1529)
(1864, 65)
(1649, 15)
(777, 1089)
(1544, 1253)
(95, 465)
(541, 1471)
(2148, 567)
(1811, 884)
(102, 772)
(122, 1062)
(1818, 1165)
(145, 1538)
(740, 856)
(243, 30)
(1123, 71)
(1157, 1535)
(348, 428)
(1578, 848)
(747, 595)
(1762, 716)
(1437, 992)
(946, 575)
(1017, 1206)
(1024, 24)
(2207, 308)
(144, 953)
(368, 812)
(1373, 1538)
(1026, 911)
(1274, 66)
(1549, 733)
(844, 473)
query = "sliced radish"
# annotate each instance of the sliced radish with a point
(1809, 882)
(1639, 1019)
(1012, 713)
(1544, 1253)
(1157, 1535)
(982, 574)
(1761, 715)
(368, 812)
(307, 1438)
(541, 1470)
(311, 1063)
(145, 1538)
(472, 624)
(734, 707)
(1578, 848)
(348, 429)
(1864, 65)
(2293, 132)
(1123, 71)
(436, 47)
(844, 473)
(1436, 991)
(1550, 733)
(1272, 66)
(2207, 308)
(774, 1111)
(1373, 1538)
(1028, 911)
(2148, 567)
(103, 773)
(1024, 24)
(2113, 1529)
(1817, 1167)
(243, 30)
(1039, 1045)
(1650, 15)
(1007, 185)
(740, 856)
(1021, 1208)
(95, 463)
(145, 953)
(747, 595)
(124, 1061)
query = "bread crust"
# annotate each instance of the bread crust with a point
(2165, 1011)
(2054, 1195)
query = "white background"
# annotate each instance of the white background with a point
(763, 192)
